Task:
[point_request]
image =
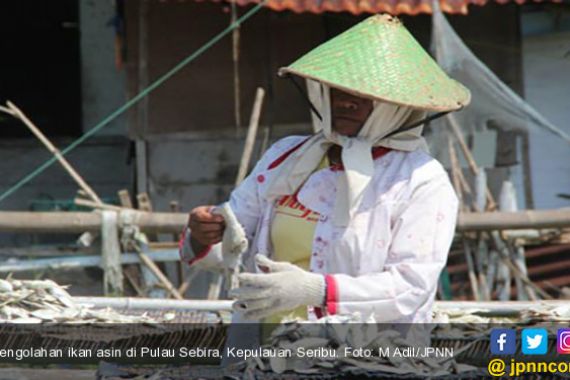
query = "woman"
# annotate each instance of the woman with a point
(356, 218)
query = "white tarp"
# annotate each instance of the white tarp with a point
(492, 100)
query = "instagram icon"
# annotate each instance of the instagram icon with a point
(563, 341)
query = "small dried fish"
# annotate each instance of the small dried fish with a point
(339, 332)
(43, 301)
(45, 314)
(278, 364)
(26, 320)
(39, 284)
(5, 286)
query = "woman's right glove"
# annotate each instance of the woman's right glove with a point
(282, 287)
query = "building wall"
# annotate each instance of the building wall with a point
(102, 161)
(103, 84)
(200, 98)
(547, 88)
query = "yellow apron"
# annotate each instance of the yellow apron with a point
(292, 232)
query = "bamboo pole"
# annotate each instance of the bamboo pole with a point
(534, 219)
(186, 284)
(125, 198)
(481, 307)
(469, 157)
(251, 134)
(482, 265)
(111, 255)
(495, 306)
(455, 168)
(471, 271)
(164, 222)
(158, 273)
(505, 257)
(99, 206)
(155, 304)
(16, 112)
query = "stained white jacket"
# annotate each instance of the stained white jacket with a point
(387, 261)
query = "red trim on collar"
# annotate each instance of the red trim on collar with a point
(377, 152)
(284, 156)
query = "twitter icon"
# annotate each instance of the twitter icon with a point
(534, 341)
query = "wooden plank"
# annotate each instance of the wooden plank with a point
(125, 198)
(144, 202)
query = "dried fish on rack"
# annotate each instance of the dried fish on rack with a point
(42, 301)
(338, 342)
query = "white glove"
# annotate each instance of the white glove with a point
(234, 241)
(283, 286)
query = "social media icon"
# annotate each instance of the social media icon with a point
(534, 341)
(503, 341)
(563, 341)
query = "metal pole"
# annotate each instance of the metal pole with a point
(155, 304)
(82, 261)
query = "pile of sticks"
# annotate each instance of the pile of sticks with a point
(495, 257)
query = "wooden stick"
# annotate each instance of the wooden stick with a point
(144, 202)
(526, 280)
(100, 206)
(527, 172)
(469, 157)
(163, 245)
(132, 279)
(471, 271)
(158, 273)
(505, 256)
(62, 160)
(455, 172)
(125, 198)
(482, 264)
(251, 133)
(7, 110)
(215, 287)
(186, 284)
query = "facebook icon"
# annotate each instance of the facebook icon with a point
(503, 341)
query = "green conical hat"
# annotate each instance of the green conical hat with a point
(379, 59)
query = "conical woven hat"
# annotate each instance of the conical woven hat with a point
(379, 59)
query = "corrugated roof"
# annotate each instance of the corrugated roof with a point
(394, 7)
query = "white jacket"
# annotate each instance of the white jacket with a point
(387, 261)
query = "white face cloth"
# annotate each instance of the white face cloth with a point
(356, 151)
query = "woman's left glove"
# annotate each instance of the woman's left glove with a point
(283, 286)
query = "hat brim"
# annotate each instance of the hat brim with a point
(285, 71)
